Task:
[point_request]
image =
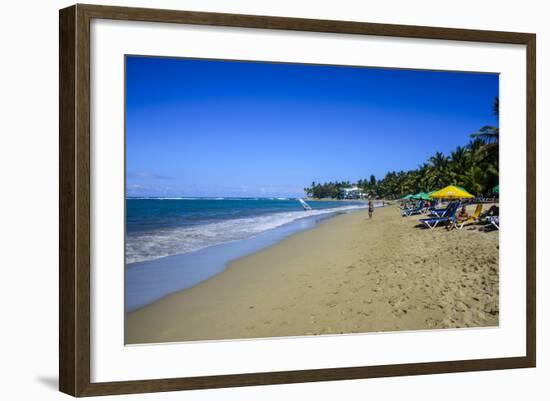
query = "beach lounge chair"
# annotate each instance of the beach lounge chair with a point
(415, 210)
(432, 222)
(495, 221)
(438, 212)
(473, 218)
(413, 206)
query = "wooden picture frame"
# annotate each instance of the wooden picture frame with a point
(74, 200)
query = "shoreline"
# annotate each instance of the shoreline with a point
(149, 281)
(348, 274)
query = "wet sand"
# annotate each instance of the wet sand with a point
(349, 274)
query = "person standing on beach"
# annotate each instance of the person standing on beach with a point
(371, 209)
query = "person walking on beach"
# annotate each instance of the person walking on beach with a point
(371, 209)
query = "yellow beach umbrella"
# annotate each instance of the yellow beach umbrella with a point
(452, 192)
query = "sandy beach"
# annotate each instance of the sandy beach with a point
(349, 274)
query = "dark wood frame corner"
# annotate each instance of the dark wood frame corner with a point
(74, 199)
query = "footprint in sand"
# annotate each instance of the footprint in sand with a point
(430, 323)
(399, 312)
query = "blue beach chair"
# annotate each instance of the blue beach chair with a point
(414, 210)
(448, 216)
(439, 212)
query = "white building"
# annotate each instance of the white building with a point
(352, 193)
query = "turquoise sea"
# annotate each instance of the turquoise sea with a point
(175, 243)
(159, 227)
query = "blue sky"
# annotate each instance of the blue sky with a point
(229, 128)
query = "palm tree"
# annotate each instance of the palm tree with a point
(460, 161)
(475, 180)
(423, 178)
(487, 141)
(439, 161)
(440, 165)
(488, 133)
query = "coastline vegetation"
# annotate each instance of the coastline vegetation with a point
(473, 166)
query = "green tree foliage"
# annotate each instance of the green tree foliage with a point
(326, 190)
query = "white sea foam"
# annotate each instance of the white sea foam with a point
(153, 245)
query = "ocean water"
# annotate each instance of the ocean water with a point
(163, 227)
(174, 244)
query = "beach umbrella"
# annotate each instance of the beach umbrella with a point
(423, 196)
(409, 196)
(452, 192)
(495, 189)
